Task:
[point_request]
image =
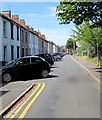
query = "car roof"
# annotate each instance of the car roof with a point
(29, 57)
(42, 54)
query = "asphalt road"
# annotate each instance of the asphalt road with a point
(69, 92)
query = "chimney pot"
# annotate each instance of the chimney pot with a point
(15, 18)
(7, 13)
(43, 36)
(22, 22)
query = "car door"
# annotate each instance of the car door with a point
(37, 66)
(23, 67)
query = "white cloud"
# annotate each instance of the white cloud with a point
(53, 9)
(31, 14)
(53, 14)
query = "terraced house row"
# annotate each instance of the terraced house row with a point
(18, 39)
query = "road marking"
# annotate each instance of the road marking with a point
(30, 104)
(15, 113)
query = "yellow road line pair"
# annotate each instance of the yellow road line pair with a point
(30, 103)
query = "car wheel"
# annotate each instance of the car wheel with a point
(58, 59)
(6, 77)
(44, 73)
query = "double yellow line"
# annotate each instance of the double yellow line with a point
(22, 115)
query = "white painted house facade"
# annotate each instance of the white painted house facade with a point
(9, 40)
(18, 40)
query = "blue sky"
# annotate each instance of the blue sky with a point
(41, 16)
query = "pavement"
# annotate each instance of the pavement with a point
(92, 69)
(11, 92)
(8, 90)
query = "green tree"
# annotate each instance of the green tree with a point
(71, 44)
(63, 50)
(77, 12)
(89, 37)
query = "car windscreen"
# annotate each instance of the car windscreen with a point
(11, 63)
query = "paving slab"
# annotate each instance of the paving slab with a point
(11, 92)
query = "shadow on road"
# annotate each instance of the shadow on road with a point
(29, 78)
(38, 77)
(98, 69)
(3, 92)
(54, 67)
(52, 76)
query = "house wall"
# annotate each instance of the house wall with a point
(29, 43)
(24, 42)
(8, 42)
(40, 45)
(36, 45)
(1, 33)
(50, 48)
(54, 49)
(45, 46)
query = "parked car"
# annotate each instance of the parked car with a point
(30, 65)
(56, 56)
(47, 57)
(62, 54)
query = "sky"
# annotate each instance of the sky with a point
(41, 16)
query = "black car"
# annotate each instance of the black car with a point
(47, 57)
(30, 65)
(56, 56)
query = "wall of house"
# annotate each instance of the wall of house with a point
(50, 47)
(45, 46)
(36, 45)
(8, 42)
(40, 45)
(54, 49)
(1, 33)
(29, 43)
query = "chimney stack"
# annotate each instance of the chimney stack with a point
(15, 18)
(32, 29)
(7, 13)
(43, 36)
(22, 22)
(38, 33)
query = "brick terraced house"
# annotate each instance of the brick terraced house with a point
(18, 39)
